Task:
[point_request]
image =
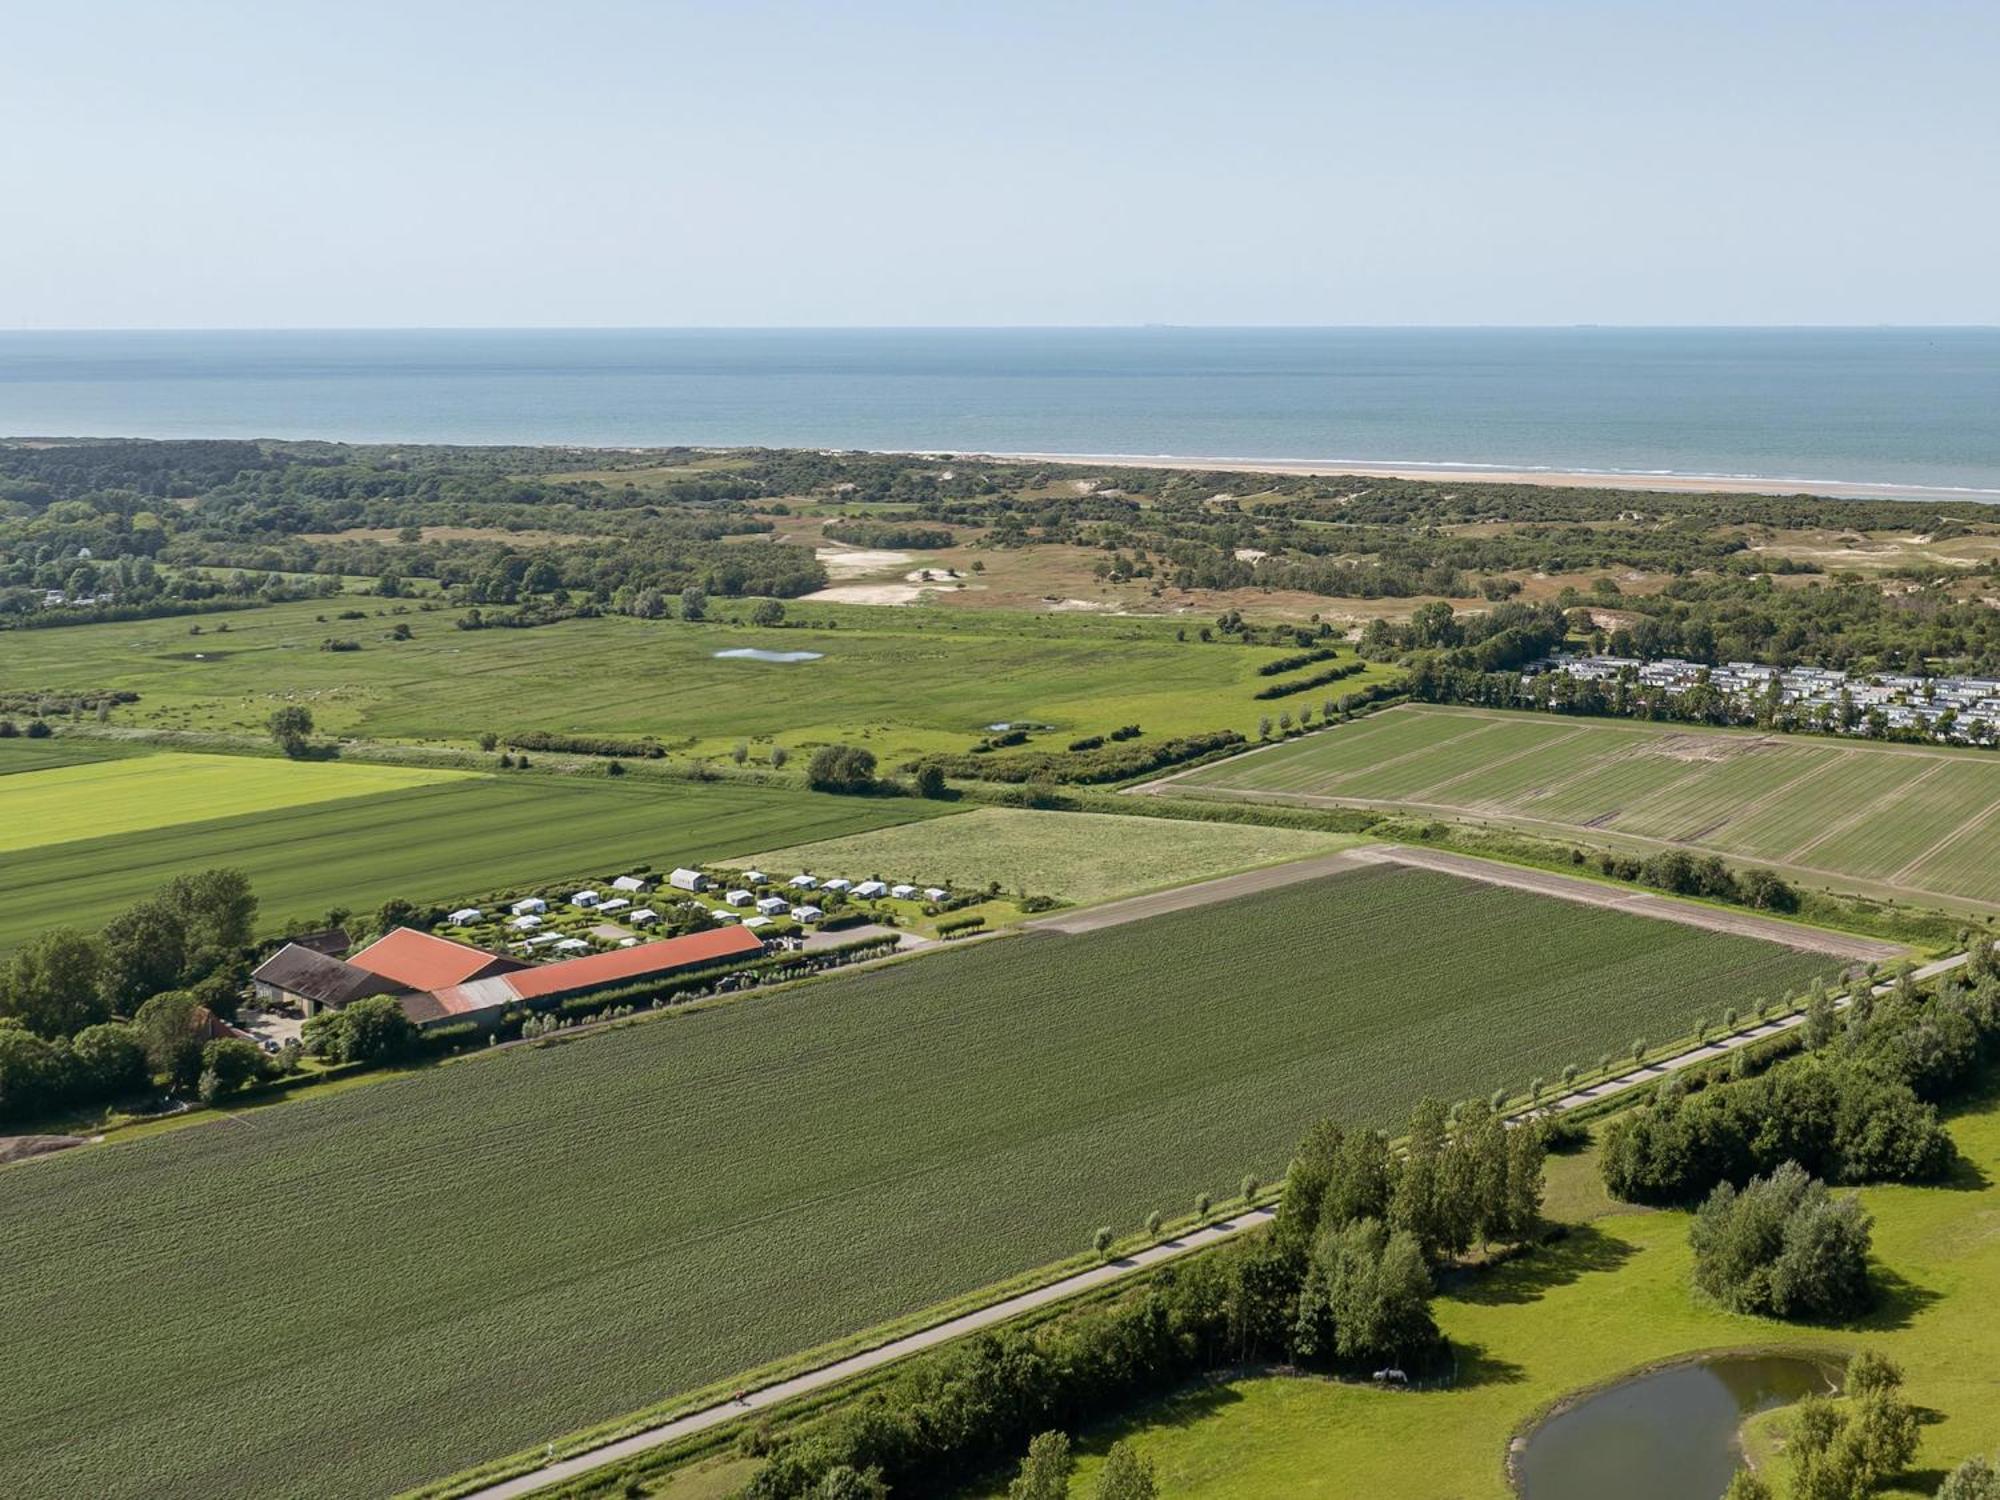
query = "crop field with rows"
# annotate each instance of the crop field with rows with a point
(457, 837)
(1079, 857)
(346, 1295)
(1916, 822)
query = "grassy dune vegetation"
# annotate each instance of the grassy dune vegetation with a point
(457, 837)
(1904, 820)
(100, 799)
(1612, 1297)
(515, 1246)
(1080, 857)
(901, 681)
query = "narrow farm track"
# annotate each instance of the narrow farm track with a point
(1638, 903)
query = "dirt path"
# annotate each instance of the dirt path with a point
(1181, 897)
(1638, 903)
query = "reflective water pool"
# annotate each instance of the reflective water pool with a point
(1668, 1435)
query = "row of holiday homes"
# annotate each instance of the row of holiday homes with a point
(1959, 707)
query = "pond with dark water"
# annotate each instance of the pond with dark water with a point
(1667, 1435)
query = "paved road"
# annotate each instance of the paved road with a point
(872, 1359)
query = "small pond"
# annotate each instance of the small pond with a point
(1667, 1435)
(755, 653)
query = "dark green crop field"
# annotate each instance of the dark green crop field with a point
(445, 842)
(343, 1296)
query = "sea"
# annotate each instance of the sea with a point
(1886, 410)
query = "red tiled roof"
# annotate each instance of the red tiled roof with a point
(419, 961)
(600, 969)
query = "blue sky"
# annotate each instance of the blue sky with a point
(295, 163)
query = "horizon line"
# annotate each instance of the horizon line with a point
(1141, 327)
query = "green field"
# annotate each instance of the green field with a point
(456, 838)
(1610, 1298)
(902, 681)
(1079, 857)
(1908, 821)
(396, 1281)
(23, 754)
(101, 799)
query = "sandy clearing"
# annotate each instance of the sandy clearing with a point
(868, 593)
(857, 562)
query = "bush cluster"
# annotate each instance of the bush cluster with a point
(1317, 679)
(1783, 1247)
(1688, 875)
(583, 744)
(1096, 766)
(1293, 663)
(1858, 1108)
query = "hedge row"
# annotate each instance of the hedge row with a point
(1317, 679)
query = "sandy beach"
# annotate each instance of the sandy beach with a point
(1653, 483)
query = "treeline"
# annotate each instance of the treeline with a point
(1857, 1107)
(1091, 767)
(583, 744)
(1704, 876)
(1342, 1283)
(85, 1019)
(1312, 680)
(888, 534)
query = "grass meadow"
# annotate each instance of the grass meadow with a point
(350, 1294)
(1902, 820)
(901, 681)
(454, 837)
(1076, 857)
(101, 799)
(1610, 1298)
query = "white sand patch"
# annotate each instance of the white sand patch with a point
(1250, 554)
(1072, 605)
(869, 593)
(855, 562)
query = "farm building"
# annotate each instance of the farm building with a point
(437, 981)
(485, 1000)
(688, 880)
(314, 981)
(420, 961)
(397, 963)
